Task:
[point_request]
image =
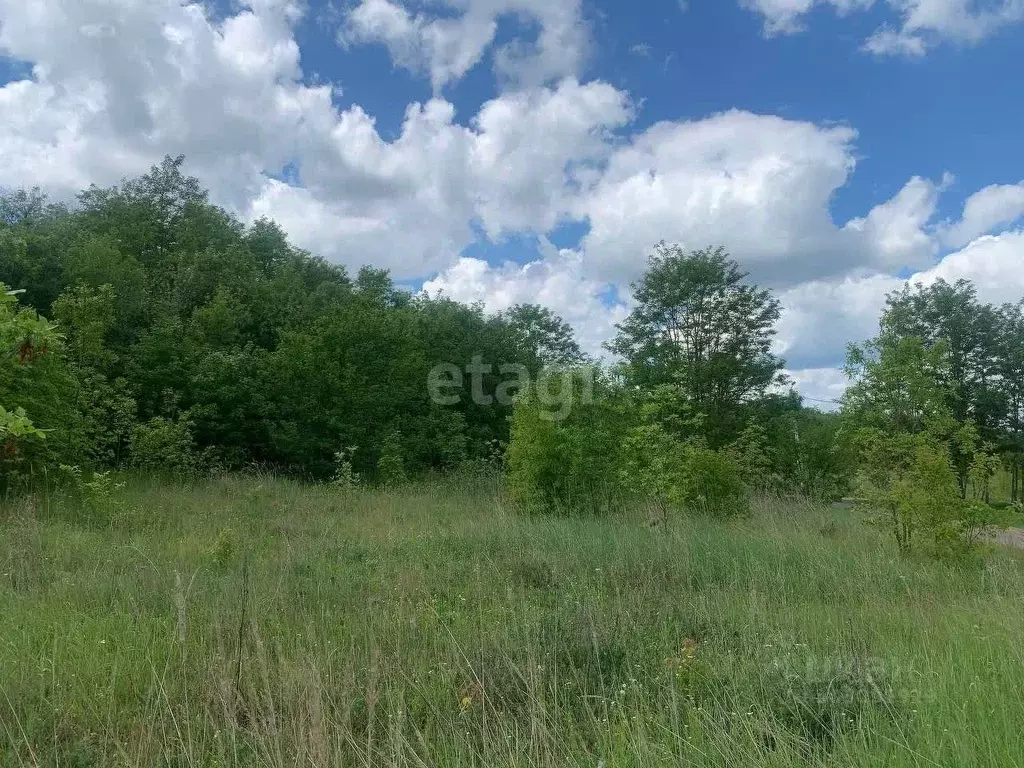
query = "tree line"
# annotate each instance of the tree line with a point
(146, 327)
(176, 337)
(697, 413)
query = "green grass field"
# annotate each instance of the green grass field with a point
(259, 622)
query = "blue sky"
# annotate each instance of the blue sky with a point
(530, 150)
(951, 111)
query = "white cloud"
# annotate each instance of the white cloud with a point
(555, 281)
(897, 228)
(984, 211)
(922, 23)
(893, 42)
(447, 46)
(411, 201)
(762, 186)
(966, 21)
(786, 16)
(116, 84)
(532, 150)
(820, 317)
(759, 184)
(993, 263)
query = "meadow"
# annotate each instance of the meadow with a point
(255, 621)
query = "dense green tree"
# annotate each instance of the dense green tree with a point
(698, 326)
(898, 384)
(39, 424)
(1010, 370)
(184, 327)
(88, 319)
(33, 243)
(546, 333)
(950, 314)
(355, 376)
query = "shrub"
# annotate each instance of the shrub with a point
(597, 454)
(98, 494)
(911, 484)
(163, 444)
(714, 484)
(344, 474)
(682, 474)
(653, 465)
(567, 460)
(391, 464)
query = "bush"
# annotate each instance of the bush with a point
(98, 495)
(597, 454)
(683, 474)
(344, 475)
(752, 454)
(714, 484)
(567, 460)
(391, 464)
(163, 444)
(912, 486)
(39, 426)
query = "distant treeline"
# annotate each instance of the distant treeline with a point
(146, 327)
(179, 337)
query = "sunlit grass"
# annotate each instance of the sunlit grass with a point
(254, 621)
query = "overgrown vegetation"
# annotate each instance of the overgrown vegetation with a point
(249, 621)
(557, 564)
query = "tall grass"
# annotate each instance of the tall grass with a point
(260, 622)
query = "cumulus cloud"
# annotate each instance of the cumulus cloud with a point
(555, 281)
(922, 23)
(115, 84)
(984, 211)
(533, 151)
(412, 202)
(993, 263)
(897, 229)
(447, 43)
(760, 184)
(820, 317)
